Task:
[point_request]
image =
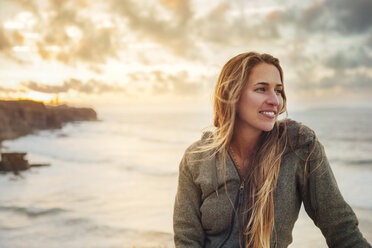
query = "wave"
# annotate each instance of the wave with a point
(359, 138)
(361, 162)
(33, 211)
(132, 231)
(135, 237)
(164, 141)
(149, 171)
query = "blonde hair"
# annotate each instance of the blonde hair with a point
(264, 170)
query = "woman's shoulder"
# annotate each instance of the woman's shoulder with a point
(206, 139)
(302, 142)
(298, 134)
(201, 148)
(199, 155)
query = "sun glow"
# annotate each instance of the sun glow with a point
(38, 96)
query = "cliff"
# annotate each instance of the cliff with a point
(18, 118)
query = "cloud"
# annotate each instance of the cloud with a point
(183, 85)
(160, 83)
(176, 83)
(28, 5)
(368, 42)
(341, 16)
(355, 82)
(221, 28)
(65, 32)
(350, 81)
(4, 41)
(97, 46)
(70, 32)
(180, 8)
(44, 88)
(331, 17)
(175, 26)
(7, 90)
(354, 17)
(69, 35)
(313, 39)
(77, 36)
(168, 28)
(349, 60)
(92, 86)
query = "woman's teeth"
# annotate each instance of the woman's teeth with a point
(268, 113)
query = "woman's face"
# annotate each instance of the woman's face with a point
(261, 99)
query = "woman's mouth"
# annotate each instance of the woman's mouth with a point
(268, 114)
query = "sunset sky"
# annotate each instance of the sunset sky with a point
(171, 51)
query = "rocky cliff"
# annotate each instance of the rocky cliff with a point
(18, 118)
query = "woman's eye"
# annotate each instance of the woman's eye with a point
(279, 91)
(260, 89)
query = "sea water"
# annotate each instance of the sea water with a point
(112, 183)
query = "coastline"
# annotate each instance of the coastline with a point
(22, 117)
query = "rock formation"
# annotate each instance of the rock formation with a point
(18, 118)
(16, 161)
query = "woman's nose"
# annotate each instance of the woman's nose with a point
(273, 99)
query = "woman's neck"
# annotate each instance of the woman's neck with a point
(244, 141)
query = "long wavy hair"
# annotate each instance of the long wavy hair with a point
(261, 180)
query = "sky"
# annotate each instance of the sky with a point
(123, 52)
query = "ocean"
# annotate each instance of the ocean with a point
(112, 183)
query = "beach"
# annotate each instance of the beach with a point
(112, 183)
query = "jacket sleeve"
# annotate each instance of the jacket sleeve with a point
(188, 230)
(325, 205)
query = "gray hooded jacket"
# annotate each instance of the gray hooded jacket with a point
(204, 213)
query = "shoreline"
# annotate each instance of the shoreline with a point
(22, 117)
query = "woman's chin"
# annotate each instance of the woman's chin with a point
(267, 127)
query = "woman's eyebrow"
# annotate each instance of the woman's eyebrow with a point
(266, 83)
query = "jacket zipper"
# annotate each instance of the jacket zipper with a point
(237, 203)
(241, 192)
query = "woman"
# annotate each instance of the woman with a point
(242, 185)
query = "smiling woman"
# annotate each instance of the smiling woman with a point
(243, 184)
(261, 99)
